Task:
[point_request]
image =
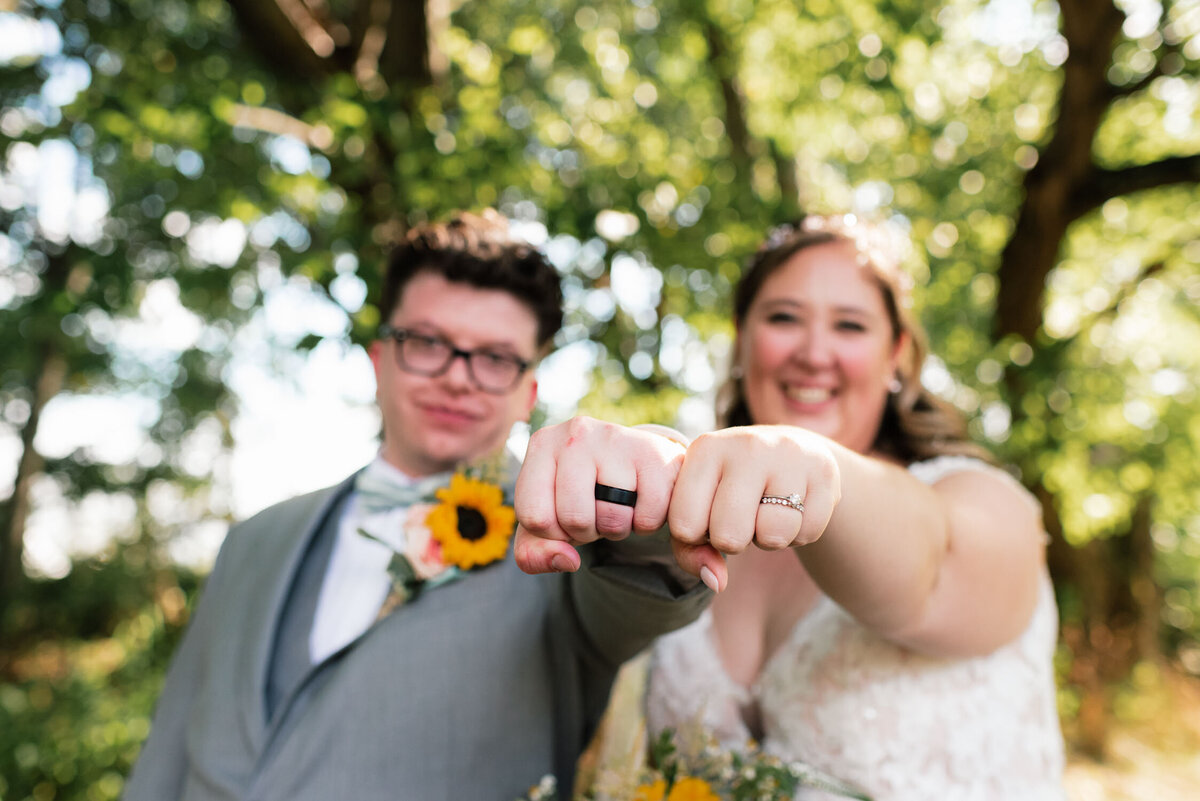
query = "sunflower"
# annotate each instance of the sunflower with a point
(692, 789)
(655, 791)
(472, 523)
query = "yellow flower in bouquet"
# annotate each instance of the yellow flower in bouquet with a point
(692, 789)
(709, 773)
(688, 788)
(654, 791)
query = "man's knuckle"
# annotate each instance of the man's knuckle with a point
(536, 521)
(612, 521)
(646, 521)
(572, 520)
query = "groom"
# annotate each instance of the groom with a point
(335, 654)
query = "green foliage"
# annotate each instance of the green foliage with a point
(656, 143)
(76, 732)
(80, 673)
(155, 164)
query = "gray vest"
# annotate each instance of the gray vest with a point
(290, 659)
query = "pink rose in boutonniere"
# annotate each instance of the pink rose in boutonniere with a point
(468, 527)
(423, 551)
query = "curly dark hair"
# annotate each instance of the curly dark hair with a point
(479, 250)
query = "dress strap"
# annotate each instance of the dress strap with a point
(934, 470)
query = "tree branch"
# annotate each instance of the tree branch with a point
(375, 15)
(297, 38)
(268, 120)
(411, 27)
(1116, 92)
(1065, 165)
(789, 184)
(743, 146)
(308, 26)
(320, 10)
(1141, 84)
(1103, 185)
(1110, 311)
(731, 94)
(46, 382)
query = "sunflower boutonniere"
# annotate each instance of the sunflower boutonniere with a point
(465, 525)
(471, 523)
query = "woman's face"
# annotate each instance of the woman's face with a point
(816, 347)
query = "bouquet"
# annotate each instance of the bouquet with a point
(713, 774)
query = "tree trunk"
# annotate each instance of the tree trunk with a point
(1055, 187)
(46, 384)
(743, 146)
(1144, 590)
(719, 60)
(411, 27)
(1113, 577)
(1121, 606)
(1092, 647)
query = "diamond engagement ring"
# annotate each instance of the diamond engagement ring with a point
(792, 501)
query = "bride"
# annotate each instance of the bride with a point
(894, 623)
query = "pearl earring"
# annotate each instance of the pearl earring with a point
(894, 386)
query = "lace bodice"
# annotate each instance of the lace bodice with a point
(903, 726)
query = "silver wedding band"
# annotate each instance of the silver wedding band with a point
(621, 497)
(793, 501)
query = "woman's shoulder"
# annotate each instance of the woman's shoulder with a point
(996, 482)
(933, 470)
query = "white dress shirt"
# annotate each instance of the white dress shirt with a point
(356, 579)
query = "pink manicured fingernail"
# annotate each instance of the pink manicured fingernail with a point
(709, 579)
(561, 564)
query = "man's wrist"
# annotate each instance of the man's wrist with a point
(649, 553)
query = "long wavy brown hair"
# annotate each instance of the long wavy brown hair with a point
(916, 423)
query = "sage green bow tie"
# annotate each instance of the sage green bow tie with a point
(378, 493)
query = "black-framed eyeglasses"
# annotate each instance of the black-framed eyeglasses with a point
(424, 354)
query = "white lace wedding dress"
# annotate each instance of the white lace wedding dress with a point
(902, 726)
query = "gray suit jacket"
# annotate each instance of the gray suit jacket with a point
(474, 691)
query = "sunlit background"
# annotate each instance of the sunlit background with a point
(305, 421)
(192, 222)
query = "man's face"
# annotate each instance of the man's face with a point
(433, 423)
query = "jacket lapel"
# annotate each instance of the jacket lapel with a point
(279, 543)
(286, 549)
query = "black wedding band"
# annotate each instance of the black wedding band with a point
(613, 495)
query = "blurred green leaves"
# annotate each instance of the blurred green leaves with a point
(655, 144)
